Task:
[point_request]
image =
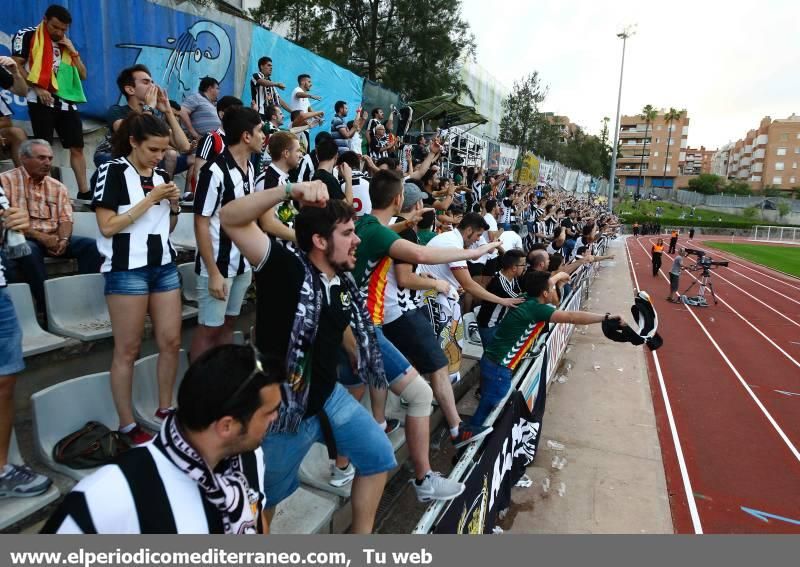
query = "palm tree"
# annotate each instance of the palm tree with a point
(648, 115)
(669, 117)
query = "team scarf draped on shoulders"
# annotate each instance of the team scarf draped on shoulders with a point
(296, 388)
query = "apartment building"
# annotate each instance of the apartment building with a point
(767, 156)
(696, 161)
(566, 126)
(659, 156)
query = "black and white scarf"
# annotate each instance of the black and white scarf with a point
(226, 487)
(301, 344)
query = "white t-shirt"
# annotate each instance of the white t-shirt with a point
(354, 143)
(511, 240)
(361, 201)
(298, 102)
(492, 222)
(451, 239)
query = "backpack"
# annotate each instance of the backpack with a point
(93, 445)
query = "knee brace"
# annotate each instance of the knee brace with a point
(419, 396)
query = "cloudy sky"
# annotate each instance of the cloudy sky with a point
(729, 63)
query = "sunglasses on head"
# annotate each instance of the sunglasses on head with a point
(259, 367)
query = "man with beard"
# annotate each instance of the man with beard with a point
(307, 306)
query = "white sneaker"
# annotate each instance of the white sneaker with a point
(341, 477)
(437, 487)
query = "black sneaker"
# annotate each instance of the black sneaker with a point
(470, 433)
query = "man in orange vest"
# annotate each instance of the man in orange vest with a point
(657, 250)
(673, 241)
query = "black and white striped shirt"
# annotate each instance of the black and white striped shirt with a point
(491, 314)
(119, 187)
(271, 177)
(145, 493)
(220, 182)
(264, 96)
(211, 145)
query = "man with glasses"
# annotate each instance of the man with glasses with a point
(307, 308)
(203, 473)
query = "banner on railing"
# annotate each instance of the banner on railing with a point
(508, 450)
(560, 335)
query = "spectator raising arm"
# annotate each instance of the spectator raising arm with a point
(477, 291)
(415, 254)
(177, 137)
(239, 217)
(19, 87)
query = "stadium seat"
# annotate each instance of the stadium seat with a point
(35, 340)
(145, 388)
(66, 407)
(306, 511)
(183, 235)
(12, 510)
(188, 282)
(472, 347)
(76, 307)
(85, 224)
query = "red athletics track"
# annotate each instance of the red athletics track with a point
(726, 392)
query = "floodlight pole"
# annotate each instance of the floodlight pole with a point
(624, 34)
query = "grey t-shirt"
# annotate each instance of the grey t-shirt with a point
(202, 113)
(677, 263)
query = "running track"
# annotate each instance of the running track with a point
(726, 392)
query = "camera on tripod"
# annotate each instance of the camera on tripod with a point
(704, 261)
(706, 264)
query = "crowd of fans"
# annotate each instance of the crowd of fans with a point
(361, 247)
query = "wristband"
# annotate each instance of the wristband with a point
(288, 191)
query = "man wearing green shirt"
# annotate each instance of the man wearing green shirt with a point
(517, 333)
(379, 246)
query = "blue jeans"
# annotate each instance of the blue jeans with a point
(357, 434)
(32, 270)
(11, 360)
(487, 335)
(495, 382)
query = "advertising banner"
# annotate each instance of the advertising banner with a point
(560, 335)
(508, 450)
(528, 174)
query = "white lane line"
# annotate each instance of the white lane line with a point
(785, 393)
(687, 483)
(792, 321)
(730, 257)
(739, 377)
(735, 312)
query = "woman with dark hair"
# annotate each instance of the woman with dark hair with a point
(137, 207)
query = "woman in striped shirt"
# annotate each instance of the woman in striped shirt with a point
(137, 208)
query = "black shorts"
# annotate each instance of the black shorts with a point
(674, 281)
(67, 123)
(413, 336)
(475, 268)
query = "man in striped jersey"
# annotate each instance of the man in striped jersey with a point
(204, 471)
(223, 274)
(262, 89)
(517, 333)
(504, 284)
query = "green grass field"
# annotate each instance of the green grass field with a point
(783, 258)
(673, 212)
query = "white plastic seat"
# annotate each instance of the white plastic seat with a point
(306, 511)
(472, 347)
(183, 235)
(35, 340)
(145, 388)
(188, 281)
(76, 307)
(12, 510)
(64, 408)
(85, 224)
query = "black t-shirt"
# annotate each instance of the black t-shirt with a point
(278, 282)
(334, 188)
(569, 225)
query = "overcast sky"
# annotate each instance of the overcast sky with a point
(729, 63)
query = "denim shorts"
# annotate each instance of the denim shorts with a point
(143, 281)
(11, 360)
(212, 311)
(357, 434)
(413, 335)
(394, 363)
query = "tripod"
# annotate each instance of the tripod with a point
(699, 300)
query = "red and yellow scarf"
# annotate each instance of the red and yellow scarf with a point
(40, 60)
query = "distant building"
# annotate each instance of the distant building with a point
(695, 161)
(767, 157)
(652, 154)
(566, 127)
